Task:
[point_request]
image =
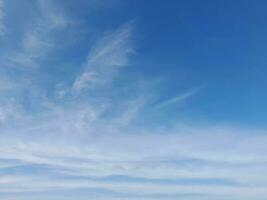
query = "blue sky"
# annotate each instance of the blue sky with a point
(119, 100)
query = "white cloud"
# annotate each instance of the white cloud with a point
(97, 137)
(98, 151)
(106, 58)
(139, 189)
(179, 98)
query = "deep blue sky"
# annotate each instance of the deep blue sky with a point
(219, 44)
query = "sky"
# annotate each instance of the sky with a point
(133, 100)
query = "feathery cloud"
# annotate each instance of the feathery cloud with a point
(106, 58)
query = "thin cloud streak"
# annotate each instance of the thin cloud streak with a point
(179, 98)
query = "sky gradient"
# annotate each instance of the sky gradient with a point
(133, 100)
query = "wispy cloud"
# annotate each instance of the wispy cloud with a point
(39, 38)
(106, 58)
(182, 153)
(106, 143)
(179, 98)
(9, 111)
(11, 179)
(2, 14)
